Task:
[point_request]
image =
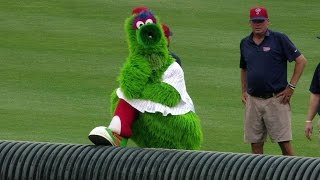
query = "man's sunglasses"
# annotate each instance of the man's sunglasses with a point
(257, 21)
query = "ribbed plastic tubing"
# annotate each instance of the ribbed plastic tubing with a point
(52, 161)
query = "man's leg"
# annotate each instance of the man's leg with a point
(286, 148)
(255, 131)
(279, 124)
(257, 148)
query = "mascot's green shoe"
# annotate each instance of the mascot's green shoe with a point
(104, 136)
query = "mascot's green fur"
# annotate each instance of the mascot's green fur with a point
(141, 78)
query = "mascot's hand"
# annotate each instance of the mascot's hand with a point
(134, 78)
(161, 93)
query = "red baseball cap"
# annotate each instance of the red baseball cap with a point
(166, 30)
(139, 9)
(258, 12)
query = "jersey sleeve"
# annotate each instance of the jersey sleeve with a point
(289, 49)
(243, 64)
(315, 83)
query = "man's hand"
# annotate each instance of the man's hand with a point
(244, 98)
(286, 95)
(308, 130)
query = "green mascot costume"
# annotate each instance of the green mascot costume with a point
(151, 106)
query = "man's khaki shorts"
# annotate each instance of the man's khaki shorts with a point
(267, 116)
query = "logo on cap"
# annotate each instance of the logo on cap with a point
(258, 10)
(258, 13)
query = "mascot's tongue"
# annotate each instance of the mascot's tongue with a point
(150, 35)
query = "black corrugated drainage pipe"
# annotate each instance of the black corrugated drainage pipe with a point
(41, 161)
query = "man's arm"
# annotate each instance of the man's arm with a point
(244, 85)
(301, 61)
(312, 111)
(298, 70)
(313, 106)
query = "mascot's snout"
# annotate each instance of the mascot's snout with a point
(148, 31)
(149, 35)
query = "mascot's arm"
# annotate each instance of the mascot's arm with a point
(134, 77)
(161, 93)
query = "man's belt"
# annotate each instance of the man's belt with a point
(264, 96)
(267, 95)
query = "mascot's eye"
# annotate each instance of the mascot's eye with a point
(149, 21)
(139, 24)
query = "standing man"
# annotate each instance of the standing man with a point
(266, 93)
(168, 33)
(313, 102)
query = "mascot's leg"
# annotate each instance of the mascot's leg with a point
(123, 118)
(120, 128)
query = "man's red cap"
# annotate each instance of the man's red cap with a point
(139, 9)
(258, 12)
(166, 30)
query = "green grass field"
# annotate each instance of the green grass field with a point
(60, 60)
